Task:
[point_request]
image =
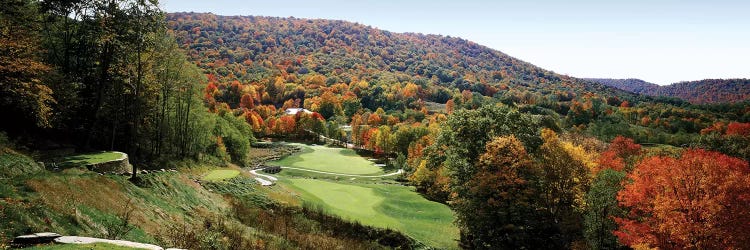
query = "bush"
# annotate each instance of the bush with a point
(236, 136)
(4, 141)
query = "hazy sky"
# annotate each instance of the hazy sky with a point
(658, 41)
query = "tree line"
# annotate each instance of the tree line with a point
(107, 74)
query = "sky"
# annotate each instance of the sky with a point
(659, 41)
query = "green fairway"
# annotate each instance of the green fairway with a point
(334, 160)
(390, 206)
(221, 174)
(91, 158)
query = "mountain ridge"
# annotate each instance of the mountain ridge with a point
(699, 91)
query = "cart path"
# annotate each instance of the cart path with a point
(270, 179)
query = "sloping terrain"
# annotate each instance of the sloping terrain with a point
(170, 209)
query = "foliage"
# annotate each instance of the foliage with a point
(734, 142)
(465, 133)
(497, 211)
(699, 200)
(106, 75)
(23, 94)
(236, 135)
(564, 179)
(602, 207)
(621, 152)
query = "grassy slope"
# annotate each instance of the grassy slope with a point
(389, 206)
(170, 209)
(337, 160)
(14, 164)
(221, 174)
(77, 202)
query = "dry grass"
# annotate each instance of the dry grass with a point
(167, 201)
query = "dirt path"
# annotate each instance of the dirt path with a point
(268, 181)
(255, 172)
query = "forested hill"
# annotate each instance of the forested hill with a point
(703, 91)
(251, 48)
(259, 66)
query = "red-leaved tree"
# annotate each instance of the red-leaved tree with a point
(700, 200)
(619, 153)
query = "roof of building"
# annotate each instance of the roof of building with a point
(294, 111)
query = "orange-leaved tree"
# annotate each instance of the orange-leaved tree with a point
(700, 200)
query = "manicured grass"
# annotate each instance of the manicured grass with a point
(335, 160)
(221, 174)
(91, 158)
(389, 206)
(95, 246)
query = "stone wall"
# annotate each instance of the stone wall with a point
(121, 165)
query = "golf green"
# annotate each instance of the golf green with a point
(221, 174)
(388, 206)
(334, 160)
(91, 158)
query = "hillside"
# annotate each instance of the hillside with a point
(702, 91)
(251, 132)
(253, 49)
(185, 208)
(259, 66)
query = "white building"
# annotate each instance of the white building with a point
(294, 111)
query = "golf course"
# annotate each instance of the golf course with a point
(377, 201)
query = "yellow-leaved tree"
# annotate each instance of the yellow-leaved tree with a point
(563, 182)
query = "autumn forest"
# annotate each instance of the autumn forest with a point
(524, 157)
